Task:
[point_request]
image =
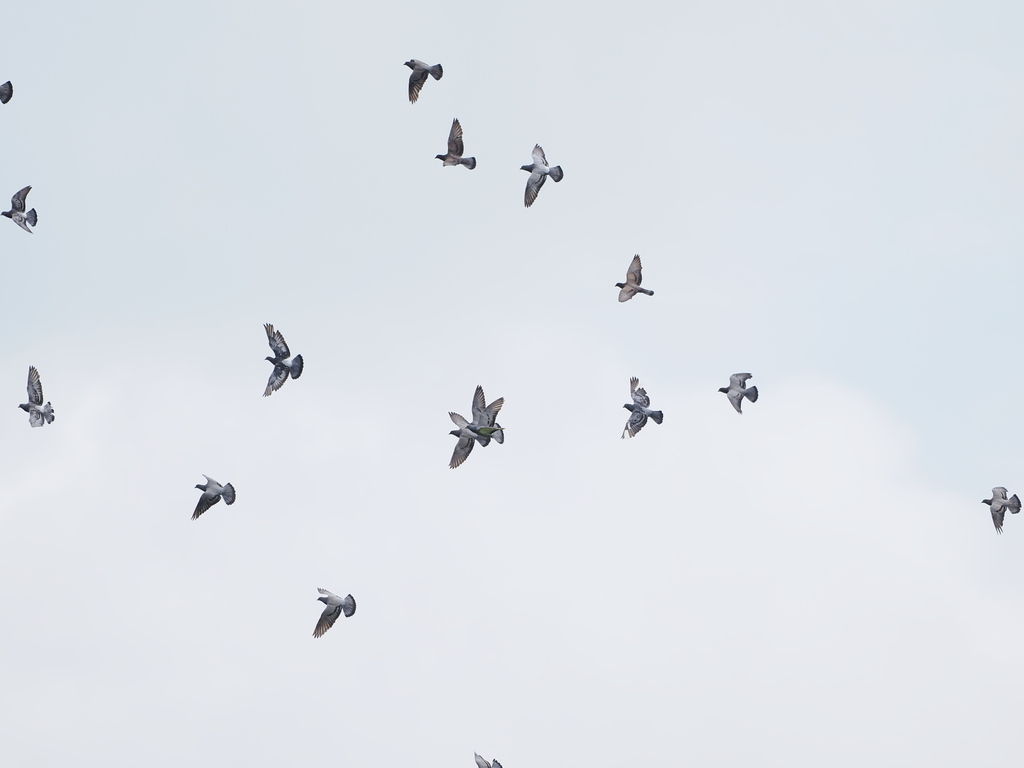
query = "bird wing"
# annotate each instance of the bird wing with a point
(491, 412)
(638, 393)
(739, 380)
(18, 201)
(538, 156)
(479, 408)
(277, 343)
(997, 518)
(458, 419)
(327, 619)
(35, 417)
(736, 398)
(481, 763)
(35, 389)
(462, 450)
(636, 422)
(627, 293)
(633, 273)
(455, 146)
(416, 81)
(997, 493)
(533, 185)
(205, 502)
(278, 377)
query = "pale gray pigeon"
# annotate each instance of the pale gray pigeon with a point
(736, 391)
(456, 148)
(282, 367)
(998, 505)
(639, 410)
(632, 285)
(38, 414)
(6, 91)
(17, 212)
(481, 430)
(539, 171)
(419, 76)
(481, 763)
(335, 607)
(212, 493)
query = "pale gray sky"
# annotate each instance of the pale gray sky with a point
(827, 197)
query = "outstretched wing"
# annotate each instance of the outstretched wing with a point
(997, 493)
(277, 343)
(533, 185)
(538, 156)
(416, 81)
(633, 273)
(327, 619)
(455, 139)
(638, 393)
(636, 422)
(18, 201)
(458, 419)
(205, 502)
(462, 450)
(35, 390)
(739, 380)
(278, 377)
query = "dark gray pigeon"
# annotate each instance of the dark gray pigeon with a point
(17, 212)
(539, 171)
(482, 429)
(998, 505)
(6, 91)
(639, 410)
(631, 287)
(212, 493)
(419, 76)
(481, 763)
(335, 606)
(455, 148)
(736, 391)
(38, 414)
(282, 367)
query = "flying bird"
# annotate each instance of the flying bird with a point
(17, 212)
(419, 76)
(481, 430)
(455, 148)
(632, 285)
(335, 606)
(539, 171)
(639, 410)
(282, 368)
(481, 763)
(998, 505)
(38, 414)
(736, 391)
(212, 493)
(6, 91)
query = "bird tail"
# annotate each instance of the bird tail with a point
(556, 173)
(469, 162)
(228, 493)
(31, 217)
(1014, 504)
(657, 416)
(296, 366)
(48, 415)
(751, 394)
(436, 71)
(645, 290)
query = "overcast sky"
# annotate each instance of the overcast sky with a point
(827, 197)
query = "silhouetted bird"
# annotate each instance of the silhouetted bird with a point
(419, 76)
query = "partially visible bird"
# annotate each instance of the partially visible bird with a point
(419, 76)
(212, 493)
(736, 391)
(17, 212)
(6, 91)
(998, 505)
(632, 285)
(481, 763)
(282, 368)
(335, 607)
(539, 171)
(38, 414)
(481, 430)
(639, 410)
(456, 148)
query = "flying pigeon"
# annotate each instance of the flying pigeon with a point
(632, 285)
(282, 368)
(335, 607)
(539, 171)
(38, 414)
(736, 392)
(455, 148)
(6, 91)
(639, 409)
(481, 763)
(481, 430)
(17, 212)
(212, 493)
(998, 504)
(419, 76)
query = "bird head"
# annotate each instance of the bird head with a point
(628, 407)
(455, 432)
(411, 64)
(270, 359)
(526, 168)
(439, 157)
(987, 501)
(724, 389)
(620, 285)
(23, 406)
(201, 487)
(6, 213)
(323, 599)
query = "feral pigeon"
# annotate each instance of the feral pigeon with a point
(282, 368)
(998, 504)
(6, 91)
(481, 430)
(639, 409)
(335, 607)
(455, 148)
(632, 285)
(481, 763)
(539, 171)
(38, 414)
(736, 391)
(419, 76)
(212, 493)
(17, 212)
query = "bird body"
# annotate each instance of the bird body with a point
(737, 390)
(998, 505)
(38, 414)
(18, 214)
(283, 368)
(212, 493)
(539, 171)
(633, 278)
(639, 409)
(334, 607)
(456, 148)
(418, 77)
